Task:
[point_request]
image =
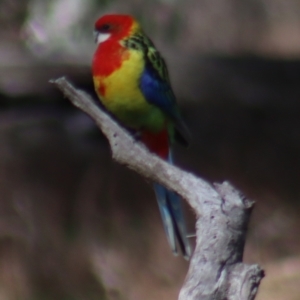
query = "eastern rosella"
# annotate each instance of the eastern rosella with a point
(132, 82)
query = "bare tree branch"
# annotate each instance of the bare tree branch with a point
(216, 269)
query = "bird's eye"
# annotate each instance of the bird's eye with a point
(105, 28)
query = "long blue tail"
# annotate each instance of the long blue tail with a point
(171, 211)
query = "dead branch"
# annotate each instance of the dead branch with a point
(216, 269)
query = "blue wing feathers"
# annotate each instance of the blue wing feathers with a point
(159, 93)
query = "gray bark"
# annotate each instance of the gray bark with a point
(216, 269)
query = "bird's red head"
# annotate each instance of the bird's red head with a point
(114, 27)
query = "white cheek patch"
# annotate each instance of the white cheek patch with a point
(102, 37)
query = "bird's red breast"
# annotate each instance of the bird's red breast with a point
(109, 57)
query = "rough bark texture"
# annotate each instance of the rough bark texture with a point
(216, 269)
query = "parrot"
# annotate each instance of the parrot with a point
(132, 82)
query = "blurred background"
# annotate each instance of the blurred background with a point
(76, 225)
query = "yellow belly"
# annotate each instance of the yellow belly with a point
(122, 95)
